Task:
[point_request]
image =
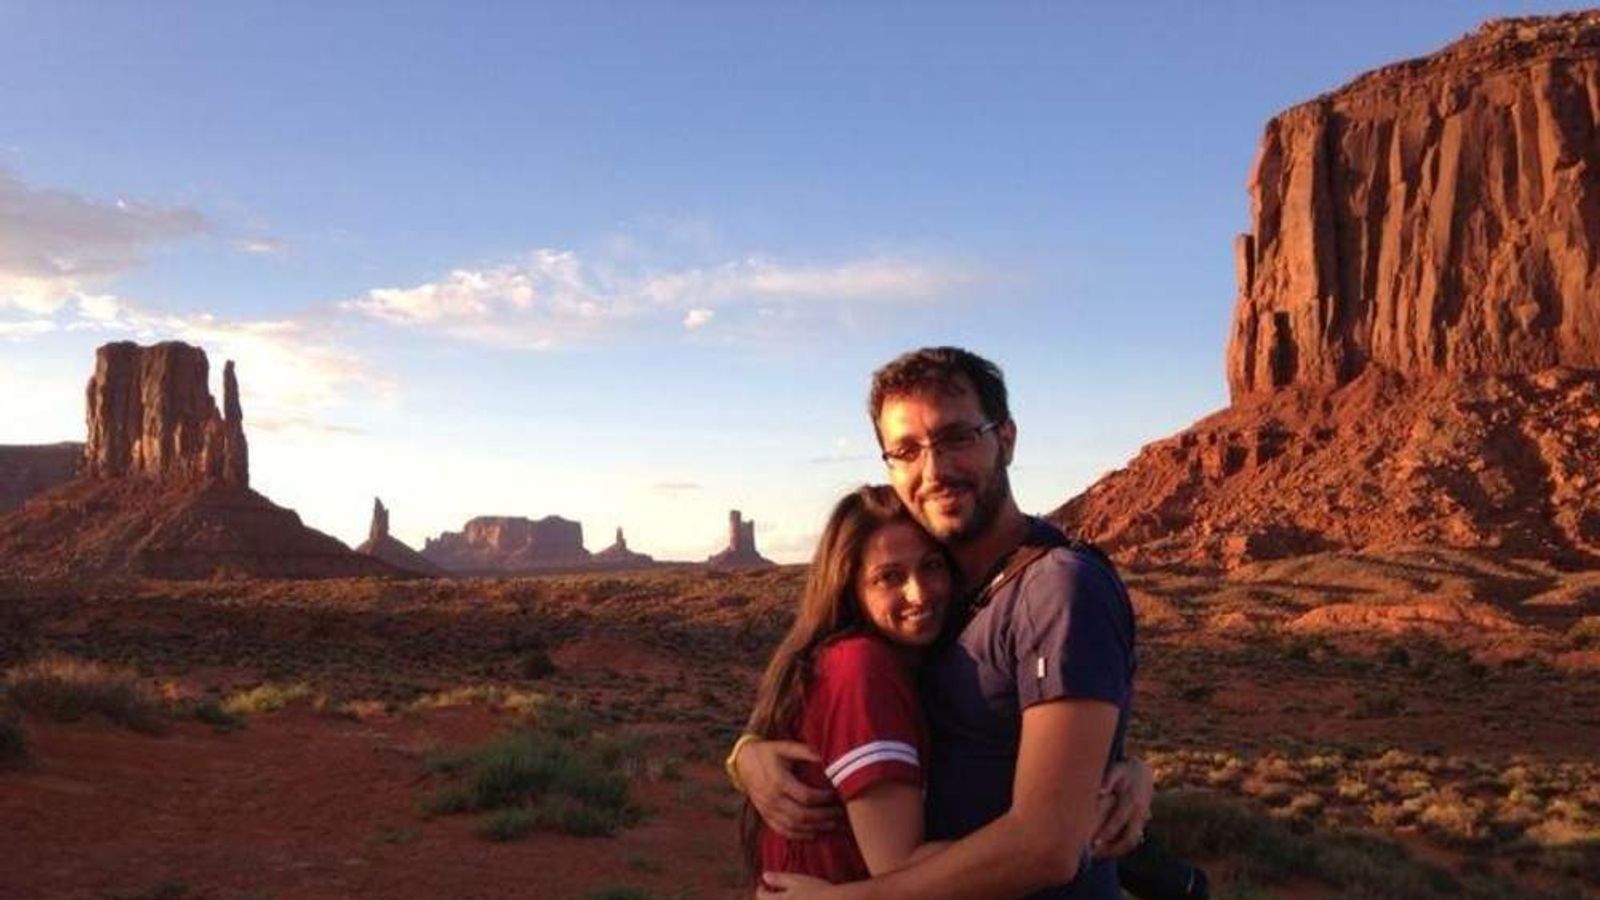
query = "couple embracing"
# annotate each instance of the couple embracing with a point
(957, 676)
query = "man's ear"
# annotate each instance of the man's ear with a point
(1007, 433)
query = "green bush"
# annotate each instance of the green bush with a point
(534, 778)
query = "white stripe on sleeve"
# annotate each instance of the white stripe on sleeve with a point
(869, 754)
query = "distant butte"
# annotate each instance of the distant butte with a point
(618, 556)
(509, 544)
(163, 489)
(386, 547)
(741, 551)
(1417, 331)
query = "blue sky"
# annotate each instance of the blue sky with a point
(633, 263)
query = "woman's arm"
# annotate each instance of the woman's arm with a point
(1039, 842)
(887, 821)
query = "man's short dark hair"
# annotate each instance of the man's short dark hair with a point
(943, 370)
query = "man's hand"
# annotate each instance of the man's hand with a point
(789, 886)
(1125, 797)
(788, 806)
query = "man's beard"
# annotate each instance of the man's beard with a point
(985, 509)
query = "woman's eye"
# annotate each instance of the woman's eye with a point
(892, 578)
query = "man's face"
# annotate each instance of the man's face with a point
(954, 494)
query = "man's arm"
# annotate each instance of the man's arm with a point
(789, 806)
(1039, 842)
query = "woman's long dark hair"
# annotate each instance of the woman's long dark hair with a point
(828, 610)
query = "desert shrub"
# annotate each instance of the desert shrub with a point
(13, 740)
(1202, 825)
(269, 697)
(211, 712)
(64, 689)
(507, 824)
(539, 777)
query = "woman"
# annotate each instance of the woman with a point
(844, 681)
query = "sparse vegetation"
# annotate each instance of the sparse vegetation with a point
(271, 697)
(211, 712)
(553, 775)
(13, 739)
(64, 689)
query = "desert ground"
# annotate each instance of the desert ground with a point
(1422, 723)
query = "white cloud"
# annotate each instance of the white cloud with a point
(554, 296)
(258, 246)
(16, 331)
(697, 317)
(290, 372)
(56, 244)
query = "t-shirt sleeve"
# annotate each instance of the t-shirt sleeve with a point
(1073, 632)
(867, 719)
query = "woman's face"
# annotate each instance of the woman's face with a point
(903, 584)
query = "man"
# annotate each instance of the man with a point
(1027, 703)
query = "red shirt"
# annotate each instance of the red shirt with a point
(861, 716)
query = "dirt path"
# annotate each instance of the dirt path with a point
(307, 805)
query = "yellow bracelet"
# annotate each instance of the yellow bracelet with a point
(733, 755)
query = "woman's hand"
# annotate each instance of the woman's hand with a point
(789, 886)
(789, 806)
(1126, 794)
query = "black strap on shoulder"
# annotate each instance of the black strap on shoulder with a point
(1042, 537)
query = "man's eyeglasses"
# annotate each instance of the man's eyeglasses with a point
(955, 439)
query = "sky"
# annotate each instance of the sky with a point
(633, 263)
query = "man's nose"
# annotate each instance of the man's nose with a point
(936, 461)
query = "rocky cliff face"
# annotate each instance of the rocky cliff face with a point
(741, 550)
(1437, 217)
(508, 543)
(151, 415)
(30, 469)
(1415, 342)
(164, 487)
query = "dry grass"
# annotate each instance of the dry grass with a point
(64, 689)
(271, 697)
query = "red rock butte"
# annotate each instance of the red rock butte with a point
(1432, 218)
(1414, 342)
(163, 490)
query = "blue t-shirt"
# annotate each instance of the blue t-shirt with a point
(1061, 629)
